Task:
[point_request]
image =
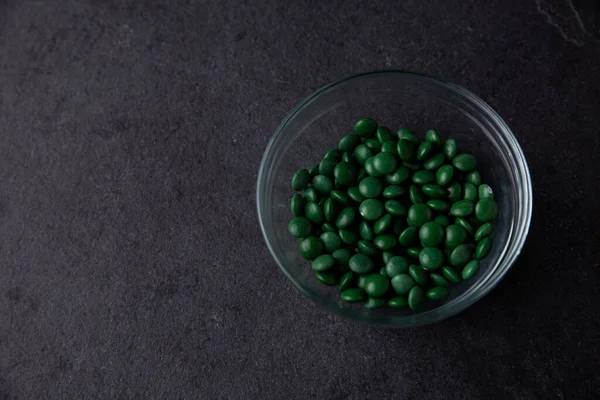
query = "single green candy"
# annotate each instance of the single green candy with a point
(416, 297)
(367, 248)
(418, 274)
(355, 195)
(409, 236)
(434, 162)
(464, 162)
(370, 168)
(407, 149)
(434, 191)
(387, 256)
(362, 153)
(398, 302)
(327, 278)
(353, 295)
(297, 205)
(310, 194)
(486, 210)
(396, 265)
(342, 256)
(440, 218)
(399, 226)
(422, 177)
(310, 247)
(416, 194)
(451, 274)
(361, 263)
(454, 192)
(334, 153)
(433, 137)
(382, 224)
(424, 151)
(345, 173)
(418, 214)
(438, 293)
(450, 148)
(365, 231)
(463, 223)
(399, 176)
(404, 133)
(349, 236)
(370, 187)
(373, 144)
(328, 227)
(340, 197)
(314, 171)
(300, 179)
(384, 163)
(438, 205)
(483, 249)
(431, 258)
(485, 192)
(346, 217)
(385, 242)
(384, 134)
(371, 209)
(438, 280)
(349, 142)
(377, 285)
(299, 227)
(373, 303)
(444, 175)
(327, 166)
(313, 212)
(431, 234)
(461, 255)
(323, 262)
(347, 280)
(365, 127)
(396, 208)
(474, 178)
(322, 184)
(402, 283)
(455, 235)
(462, 208)
(413, 252)
(470, 192)
(389, 147)
(330, 209)
(470, 270)
(393, 191)
(484, 231)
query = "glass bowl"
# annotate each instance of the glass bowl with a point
(395, 99)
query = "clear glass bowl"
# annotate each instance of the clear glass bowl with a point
(395, 99)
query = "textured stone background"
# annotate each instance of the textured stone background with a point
(131, 261)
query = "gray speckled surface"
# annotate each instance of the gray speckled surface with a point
(131, 261)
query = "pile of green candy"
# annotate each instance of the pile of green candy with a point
(392, 219)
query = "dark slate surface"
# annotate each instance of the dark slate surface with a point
(132, 264)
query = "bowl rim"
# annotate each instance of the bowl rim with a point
(521, 230)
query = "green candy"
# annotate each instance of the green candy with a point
(387, 256)
(454, 192)
(389, 147)
(327, 166)
(362, 153)
(392, 192)
(433, 190)
(415, 298)
(361, 263)
(371, 209)
(310, 194)
(385, 242)
(345, 173)
(407, 149)
(413, 252)
(396, 265)
(300, 227)
(433, 137)
(384, 163)
(483, 231)
(470, 192)
(464, 162)
(404, 133)
(444, 175)
(485, 192)
(396, 208)
(300, 179)
(474, 178)
(418, 214)
(297, 205)
(310, 247)
(373, 144)
(342, 256)
(314, 171)
(349, 142)
(418, 274)
(374, 302)
(314, 213)
(367, 248)
(383, 134)
(422, 177)
(431, 258)
(440, 219)
(377, 285)
(340, 197)
(437, 293)
(401, 174)
(382, 224)
(450, 148)
(416, 194)
(334, 153)
(328, 227)
(424, 151)
(398, 302)
(353, 295)
(438, 280)
(370, 187)
(349, 236)
(462, 208)
(470, 270)
(409, 236)
(326, 278)
(365, 231)
(402, 283)
(345, 217)
(451, 274)
(354, 194)
(323, 262)
(486, 210)
(461, 255)
(365, 127)
(438, 205)
(347, 280)
(431, 234)
(330, 209)
(434, 162)
(455, 236)
(322, 184)
(463, 223)
(483, 249)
